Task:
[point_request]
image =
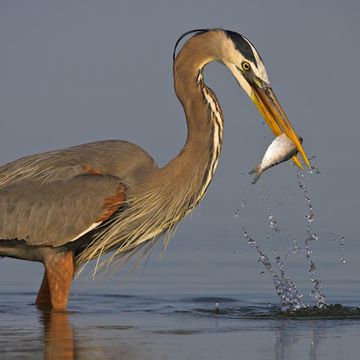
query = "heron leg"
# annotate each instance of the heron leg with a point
(43, 299)
(56, 284)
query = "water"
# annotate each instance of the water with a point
(207, 298)
(110, 326)
(142, 327)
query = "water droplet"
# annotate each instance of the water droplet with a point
(263, 258)
(262, 272)
(243, 203)
(279, 264)
(315, 170)
(343, 260)
(314, 237)
(341, 243)
(294, 249)
(312, 267)
(273, 222)
(237, 213)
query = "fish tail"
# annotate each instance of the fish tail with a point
(257, 171)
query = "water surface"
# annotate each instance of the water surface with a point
(208, 297)
(113, 326)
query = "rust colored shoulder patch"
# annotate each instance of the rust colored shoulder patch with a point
(90, 170)
(112, 203)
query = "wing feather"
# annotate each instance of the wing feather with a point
(56, 213)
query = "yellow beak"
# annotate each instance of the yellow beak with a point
(271, 110)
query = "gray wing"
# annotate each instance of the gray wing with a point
(115, 157)
(57, 213)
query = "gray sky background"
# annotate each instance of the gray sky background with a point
(79, 71)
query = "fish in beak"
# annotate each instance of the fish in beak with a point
(271, 110)
(280, 150)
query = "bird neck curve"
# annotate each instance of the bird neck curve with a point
(198, 159)
(167, 194)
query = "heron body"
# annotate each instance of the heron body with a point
(66, 207)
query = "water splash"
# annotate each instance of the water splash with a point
(294, 247)
(288, 293)
(316, 292)
(314, 170)
(290, 297)
(273, 222)
(342, 243)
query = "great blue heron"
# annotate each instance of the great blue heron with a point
(66, 207)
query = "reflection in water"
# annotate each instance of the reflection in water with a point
(317, 335)
(94, 341)
(59, 340)
(176, 328)
(284, 341)
(287, 339)
(58, 335)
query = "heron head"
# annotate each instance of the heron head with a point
(245, 63)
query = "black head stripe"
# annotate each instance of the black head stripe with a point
(197, 32)
(242, 45)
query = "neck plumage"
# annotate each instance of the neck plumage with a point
(195, 165)
(171, 192)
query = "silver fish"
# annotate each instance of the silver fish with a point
(280, 150)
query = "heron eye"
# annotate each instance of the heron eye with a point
(245, 66)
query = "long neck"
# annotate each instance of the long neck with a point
(194, 167)
(169, 193)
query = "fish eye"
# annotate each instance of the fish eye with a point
(245, 66)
